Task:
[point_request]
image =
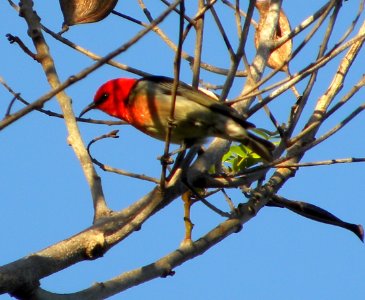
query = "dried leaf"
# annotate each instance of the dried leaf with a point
(85, 11)
(316, 213)
(279, 55)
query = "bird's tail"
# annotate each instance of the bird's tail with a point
(262, 147)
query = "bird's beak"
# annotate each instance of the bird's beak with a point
(87, 108)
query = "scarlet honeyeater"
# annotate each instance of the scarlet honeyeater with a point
(146, 104)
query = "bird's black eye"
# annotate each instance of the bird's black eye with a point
(102, 98)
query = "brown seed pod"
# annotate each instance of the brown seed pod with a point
(279, 55)
(85, 11)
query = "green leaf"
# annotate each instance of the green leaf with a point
(239, 158)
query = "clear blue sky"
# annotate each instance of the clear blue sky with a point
(45, 198)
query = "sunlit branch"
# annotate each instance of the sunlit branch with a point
(165, 266)
(287, 83)
(331, 111)
(337, 81)
(335, 129)
(322, 14)
(74, 137)
(263, 51)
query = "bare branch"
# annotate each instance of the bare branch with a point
(16, 96)
(323, 162)
(113, 134)
(74, 137)
(199, 28)
(75, 78)
(14, 39)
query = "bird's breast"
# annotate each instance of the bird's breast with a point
(148, 115)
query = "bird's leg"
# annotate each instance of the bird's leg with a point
(188, 202)
(190, 197)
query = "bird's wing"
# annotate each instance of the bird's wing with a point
(190, 93)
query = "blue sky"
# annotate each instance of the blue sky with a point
(45, 198)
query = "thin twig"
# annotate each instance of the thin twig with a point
(228, 199)
(323, 162)
(222, 32)
(75, 78)
(335, 129)
(14, 39)
(177, 65)
(338, 105)
(186, 56)
(286, 84)
(238, 55)
(321, 13)
(189, 20)
(199, 28)
(92, 55)
(50, 113)
(114, 134)
(242, 13)
(8, 110)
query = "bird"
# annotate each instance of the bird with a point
(145, 103)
